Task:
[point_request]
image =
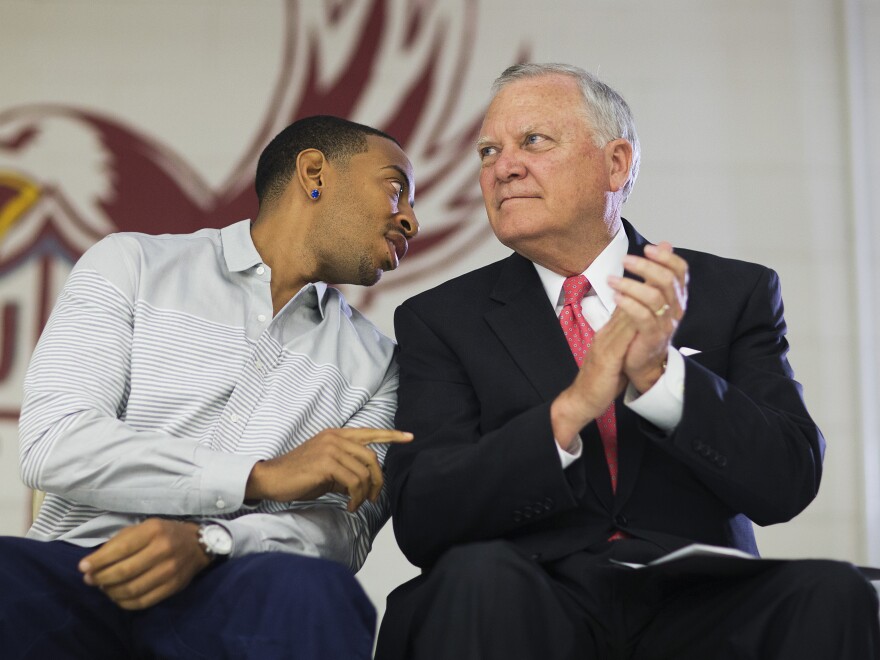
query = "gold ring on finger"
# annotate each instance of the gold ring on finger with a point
(662, 310)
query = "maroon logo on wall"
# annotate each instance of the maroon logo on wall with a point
(69, 176)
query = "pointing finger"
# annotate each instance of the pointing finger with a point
(370, 436)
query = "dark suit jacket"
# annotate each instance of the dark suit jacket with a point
(481, 359)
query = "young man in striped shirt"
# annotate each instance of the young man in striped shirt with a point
(208, 419)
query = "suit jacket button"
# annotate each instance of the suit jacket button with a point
(620, 520)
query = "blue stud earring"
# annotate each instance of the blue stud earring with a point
(315, 193)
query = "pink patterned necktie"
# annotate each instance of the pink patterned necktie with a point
(579, 335)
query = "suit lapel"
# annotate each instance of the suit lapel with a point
(524, 322)
(630, 441)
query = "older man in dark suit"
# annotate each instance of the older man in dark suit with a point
(594, 401)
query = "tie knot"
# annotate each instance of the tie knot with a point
(575, 288)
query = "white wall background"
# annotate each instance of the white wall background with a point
(760, 141)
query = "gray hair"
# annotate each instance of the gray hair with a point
(606, 110)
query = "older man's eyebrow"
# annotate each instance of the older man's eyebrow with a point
(483, 140)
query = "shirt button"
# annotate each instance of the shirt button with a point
(258, 365)
(233, 418)
(220, 503)
(261, 318)
(260, 270)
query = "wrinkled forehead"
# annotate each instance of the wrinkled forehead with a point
(525, 104)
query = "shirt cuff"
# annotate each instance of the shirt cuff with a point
(223, 481)
(570, 455)
(663, 404)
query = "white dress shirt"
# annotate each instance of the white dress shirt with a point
(661, 405)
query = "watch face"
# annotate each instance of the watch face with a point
(216, 539)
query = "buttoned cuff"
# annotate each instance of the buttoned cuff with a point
(223, 481)
(663, 404)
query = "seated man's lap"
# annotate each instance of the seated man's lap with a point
(261, 605)
(45, 607)
(797, 608)
(700, 608)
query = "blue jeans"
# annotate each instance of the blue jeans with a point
(271, 605)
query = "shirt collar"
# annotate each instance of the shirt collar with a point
(241, 254)
(316, 289)
(238, 247)
(609, 262)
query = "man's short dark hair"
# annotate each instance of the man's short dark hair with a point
(338, 139)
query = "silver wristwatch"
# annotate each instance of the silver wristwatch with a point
(215, 539)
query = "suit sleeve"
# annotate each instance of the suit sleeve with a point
(455, 484)
(745, 430)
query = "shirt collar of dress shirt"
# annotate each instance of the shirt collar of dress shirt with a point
(241, 254)
(609, 262)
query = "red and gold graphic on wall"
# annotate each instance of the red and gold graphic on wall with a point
(69, 176)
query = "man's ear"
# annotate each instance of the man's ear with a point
(311, 166)
(619, 157)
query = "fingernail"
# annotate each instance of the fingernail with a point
(408, 435)
(87, 578)
(85, 566)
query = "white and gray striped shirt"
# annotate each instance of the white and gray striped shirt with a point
(162, 377)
